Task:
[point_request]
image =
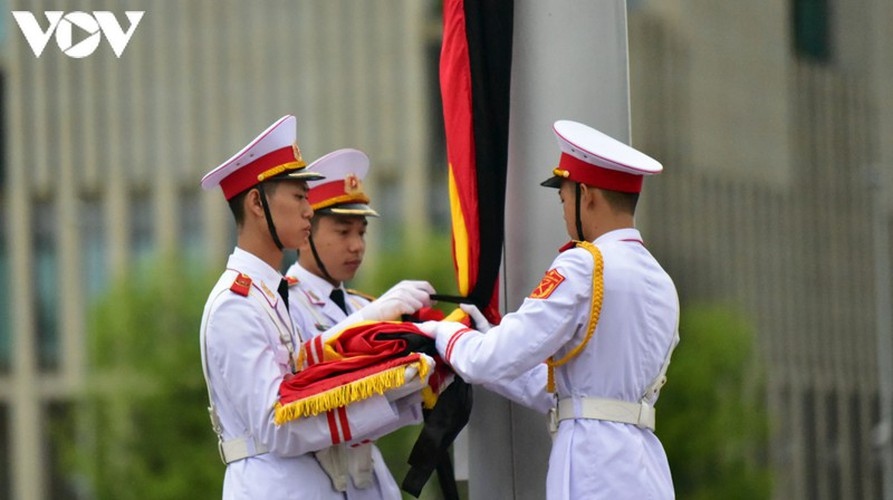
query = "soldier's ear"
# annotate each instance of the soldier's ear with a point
(589, 196)
(253, 204)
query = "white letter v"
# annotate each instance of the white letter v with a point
(37, 38)
(116, 36)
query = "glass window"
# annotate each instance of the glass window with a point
(811, 29)
(46, 272)
(2, 121)
(59, 418)
(6, 322)
(93, 247)
(857, 447)
(190, 230)
(811, 448)
(5, 459)
(142, 226)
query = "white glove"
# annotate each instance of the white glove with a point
(412, 382)
(405, 297)
(434, 329)
(480, 322)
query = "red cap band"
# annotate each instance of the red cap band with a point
(600, 177)
(246, 177)
(337, 192)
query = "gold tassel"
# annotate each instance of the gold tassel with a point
(343, 395)
(429, 398)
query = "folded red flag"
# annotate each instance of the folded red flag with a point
(363, 360)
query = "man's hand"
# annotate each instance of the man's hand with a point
(480, 322)
(434, 329)
(405, 297)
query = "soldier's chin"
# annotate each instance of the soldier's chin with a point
(347, 275)
(303, 242)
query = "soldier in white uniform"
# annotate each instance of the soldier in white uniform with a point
(330, 257)
(605, 320)
(249, 342)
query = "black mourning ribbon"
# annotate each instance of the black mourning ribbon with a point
(442, 424)
(337, 297)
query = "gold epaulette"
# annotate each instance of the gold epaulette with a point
(358, 293)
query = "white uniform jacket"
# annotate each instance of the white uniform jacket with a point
(245, 360)
(637, 327)
(314, 313)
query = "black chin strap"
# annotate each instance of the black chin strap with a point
(578, 219)
(319, 264)
(269, 216)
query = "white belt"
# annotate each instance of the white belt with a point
(239, 448)
(611, 410)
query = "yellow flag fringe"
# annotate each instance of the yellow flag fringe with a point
(429, 397)
(350, 392)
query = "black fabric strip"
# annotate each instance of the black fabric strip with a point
(442, 424)
(453, 299)
(488, 26)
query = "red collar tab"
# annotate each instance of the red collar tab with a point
(567, 246)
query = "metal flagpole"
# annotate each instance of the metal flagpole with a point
(569, 62)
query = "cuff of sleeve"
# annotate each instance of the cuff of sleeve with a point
(365, 417)
(446, 343)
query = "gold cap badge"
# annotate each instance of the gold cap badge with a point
(352, 184)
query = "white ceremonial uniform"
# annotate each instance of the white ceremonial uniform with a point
(245, 361)
(636, 330)
(314, 312)
(317, 312)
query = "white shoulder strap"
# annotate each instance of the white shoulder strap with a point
(232, 449)
(212, 411)
(242, 446)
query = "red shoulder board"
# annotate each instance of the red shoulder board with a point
(241, 285)
(570, 244)
(291, 280)
(548, 285)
